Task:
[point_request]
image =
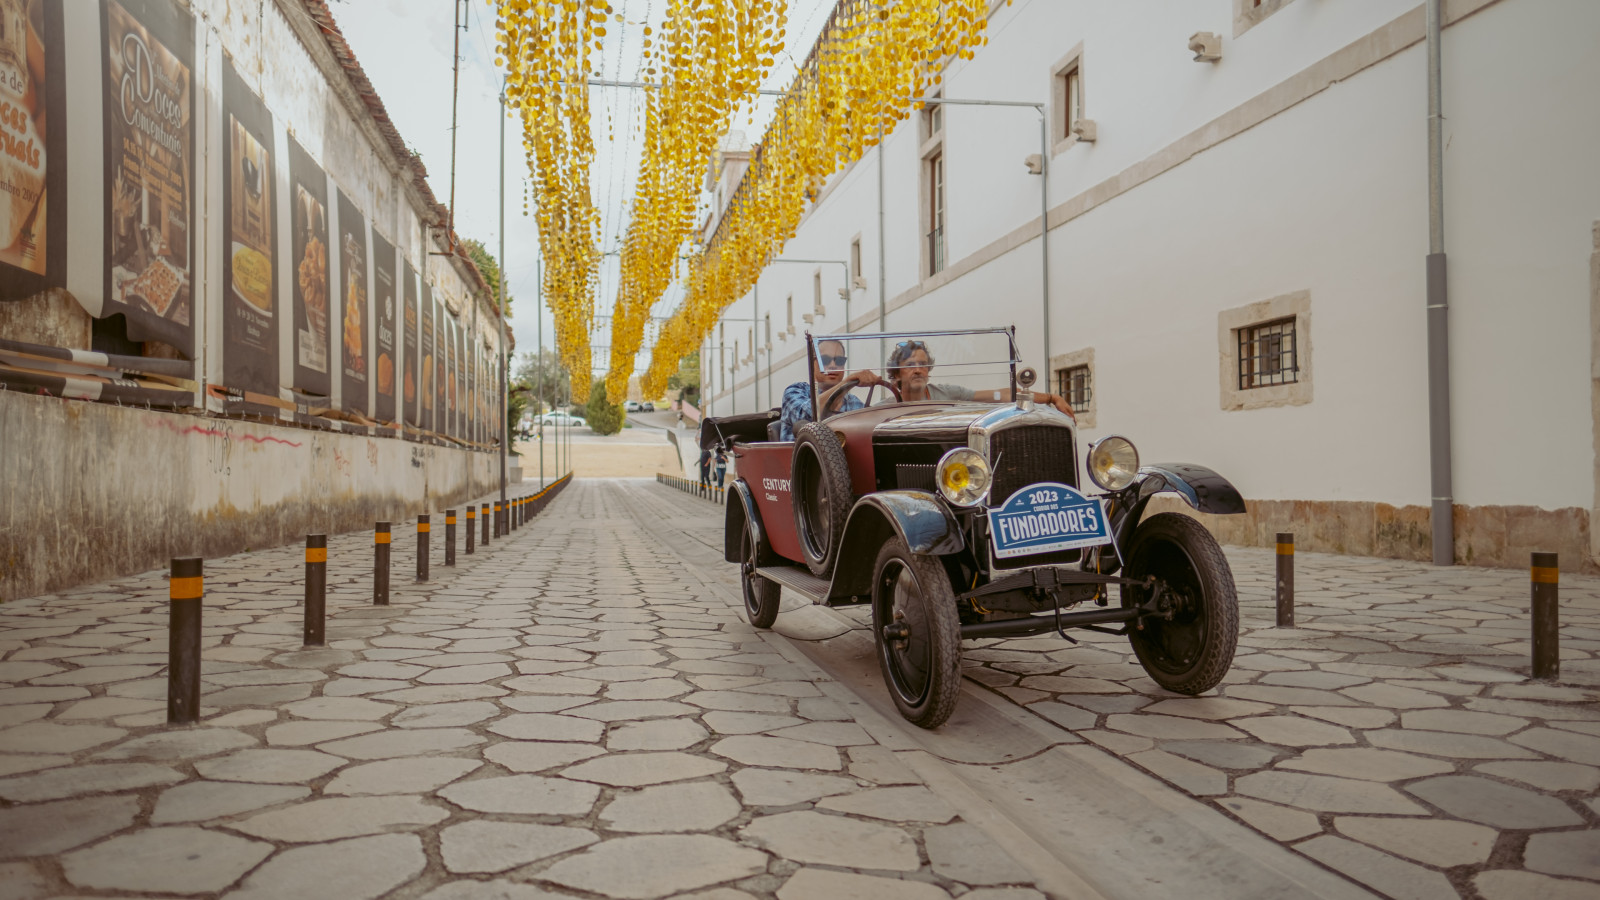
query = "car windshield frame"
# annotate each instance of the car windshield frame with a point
(1010, 332)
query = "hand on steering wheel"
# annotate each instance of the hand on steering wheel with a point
(850, 384)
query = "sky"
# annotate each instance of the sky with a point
(405, 47)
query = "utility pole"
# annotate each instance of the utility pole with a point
(505, 384)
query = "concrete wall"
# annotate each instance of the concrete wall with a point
(95, 491)
(1296, 163)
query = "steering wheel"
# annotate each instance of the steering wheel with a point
(850, 384)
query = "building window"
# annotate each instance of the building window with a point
(932, 120)
(935, 225)
(1066, 96)
(1077, 386)
(1247, 14)
(1266, 354)
(855, 259)
(816, 292)
(789, 310)
(1074, 381)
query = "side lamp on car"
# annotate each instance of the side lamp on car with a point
(1113, 462)
(963, 476)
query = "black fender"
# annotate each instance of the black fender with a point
(1200, 487)
(741, 514)
(919, 518)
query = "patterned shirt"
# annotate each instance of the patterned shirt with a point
(797, 408)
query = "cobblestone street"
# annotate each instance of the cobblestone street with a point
(581, 711)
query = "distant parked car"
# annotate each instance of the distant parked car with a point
(562, 418)
(632, 406)
(647, 406)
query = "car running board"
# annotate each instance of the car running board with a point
(798, 579)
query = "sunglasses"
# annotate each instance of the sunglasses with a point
(830, 360)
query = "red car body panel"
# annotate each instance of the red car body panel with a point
(765, 467)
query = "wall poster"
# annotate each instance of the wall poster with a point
(149, 166)
(441, 414)
(453, 425)
(33, 160)
(408, 355)
(354, 351)
(383, 289)
(308, 245)
(425, 358)
(249, 323)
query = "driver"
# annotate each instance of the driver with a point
(911, 362)
(831, 360)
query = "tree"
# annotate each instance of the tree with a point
(604, 417)
(545, 379)
(490, 267)
(686, 381)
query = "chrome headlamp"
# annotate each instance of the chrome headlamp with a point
(1113, 462)
(963, 476)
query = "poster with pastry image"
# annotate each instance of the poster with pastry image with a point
(32, 152)
(425, 357)
(383, 313)
(355, 346)
(149, 169)
(408, 349)
(311, 280)
(249, 246)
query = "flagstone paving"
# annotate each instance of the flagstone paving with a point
(565, 716)
(1393, 736)
(561, 716)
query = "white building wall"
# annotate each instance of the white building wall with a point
(1296, 163)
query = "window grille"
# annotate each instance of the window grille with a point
(935, 213)
(1076, 385)
(1267, 354)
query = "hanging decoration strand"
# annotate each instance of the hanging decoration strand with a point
(871, 59)
(707, 60)
(546, 49)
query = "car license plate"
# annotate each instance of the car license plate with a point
(1045, 517)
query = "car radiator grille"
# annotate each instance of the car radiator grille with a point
(912, 477)
(1028, 455)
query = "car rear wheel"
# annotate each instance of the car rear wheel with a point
(761, 595)
(820, 480)
(917, 632)
(1189, 650)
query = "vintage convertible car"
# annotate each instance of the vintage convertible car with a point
(960, 520)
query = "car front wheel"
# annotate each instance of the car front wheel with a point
(918, 635)
(1188, 648)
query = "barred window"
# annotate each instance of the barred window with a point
(1076, 384)
(1267, 354)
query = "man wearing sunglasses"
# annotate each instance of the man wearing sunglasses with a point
(911, 362)
(831, 361)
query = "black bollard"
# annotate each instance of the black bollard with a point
(1546, 582)
(1285, 579)
(472, 526)
(422, 547)
(184, 590)
(380, 564)
(486, 521)
(449, 537)
(316, 590)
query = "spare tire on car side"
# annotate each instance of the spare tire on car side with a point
(820, 482)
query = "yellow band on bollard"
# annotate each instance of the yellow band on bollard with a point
(423, 527)
(1546, 575)
(472, 514)
(449, 520)
(1285, 549)
(187, 588)
(316, 554)
(381, 537)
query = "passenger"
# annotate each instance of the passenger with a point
(911, 362)
(831, 360)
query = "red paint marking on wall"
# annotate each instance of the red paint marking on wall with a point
(217, 432)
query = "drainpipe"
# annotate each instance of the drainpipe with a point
(1438, 299)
